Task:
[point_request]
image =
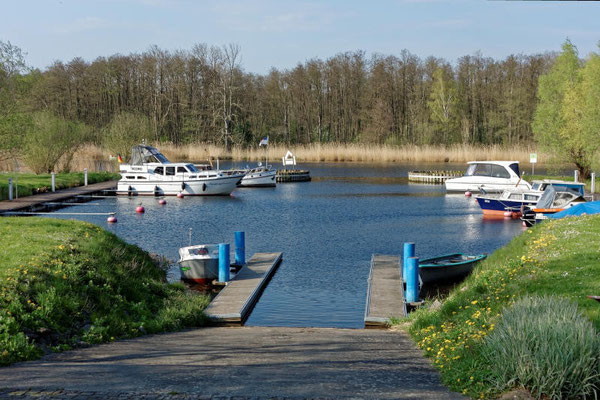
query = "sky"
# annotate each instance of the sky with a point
(283, 33)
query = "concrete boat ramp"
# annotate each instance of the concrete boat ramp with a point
(235, 363)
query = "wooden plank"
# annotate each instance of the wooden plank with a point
(385, 291)
(235, 302)
(37, 199)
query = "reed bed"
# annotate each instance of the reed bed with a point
(335, 152)
(96, 158)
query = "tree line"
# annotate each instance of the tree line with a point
(204, 95)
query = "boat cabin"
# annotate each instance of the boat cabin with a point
(495, 169)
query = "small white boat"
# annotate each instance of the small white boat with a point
(261, 176)
(199, 263)
(151, 173)
(488, 176)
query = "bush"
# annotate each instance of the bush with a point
(125, 131)
(546, 346)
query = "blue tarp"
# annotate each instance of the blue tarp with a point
(591, 207)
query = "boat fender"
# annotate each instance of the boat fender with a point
(156, 191)
(468, 193)
(204, 187)
(130, 191)
(182, 185)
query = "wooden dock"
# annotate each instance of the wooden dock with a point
(385, 291)
(36, 201)
(433, 176)
(292, 175)
(235, 302)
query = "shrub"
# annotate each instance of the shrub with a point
(125, 131)
(546, 346)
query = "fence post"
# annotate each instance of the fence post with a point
(53, 182)
(10, 189)
(593, 185)
(85, 177)
(576, 176)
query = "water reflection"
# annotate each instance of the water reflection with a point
(327, 230)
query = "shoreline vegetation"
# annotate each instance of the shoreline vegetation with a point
(66, 284)
(522, 319)
(91, 156)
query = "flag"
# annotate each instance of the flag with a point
(119, 159)
(264, 141)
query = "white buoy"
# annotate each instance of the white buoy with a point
(112, 219)
(468, 193)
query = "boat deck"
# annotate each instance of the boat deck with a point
(235, 302)
(29, 202)
(385, 292)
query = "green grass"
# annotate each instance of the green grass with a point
(559, 258)
(29, 184)
(65, 284)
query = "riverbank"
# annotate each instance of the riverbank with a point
(557, 258)
(66, 284)
(29, 184)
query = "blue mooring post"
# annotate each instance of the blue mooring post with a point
(240, 248)
(409, 251)
(412, 280)
(224, 262)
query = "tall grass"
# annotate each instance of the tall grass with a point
(543, 343)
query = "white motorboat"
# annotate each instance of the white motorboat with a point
(488, 176)
(199, 263)
(261, 176)
(151, 173)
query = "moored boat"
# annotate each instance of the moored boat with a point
(199, 263)
(447, 267)
(488, 176)
(261, 176)
(150, 173)
(553, 200)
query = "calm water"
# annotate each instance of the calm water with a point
(327, 230)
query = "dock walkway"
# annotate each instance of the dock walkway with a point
(235, 302)
(28, 202)
(385, 291)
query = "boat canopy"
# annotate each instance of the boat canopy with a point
(552, 198)
(592, 207)
(495, 169)
(142, 154)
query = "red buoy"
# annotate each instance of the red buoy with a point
(140, 209)
(180, 195)
(162, 202)
(468, 194)
(112, 219)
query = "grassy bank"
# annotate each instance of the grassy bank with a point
(558, 258)
(29, 184)
(69, 283)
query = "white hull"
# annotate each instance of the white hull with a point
(259, 179)
(490, 185)
(213, 186)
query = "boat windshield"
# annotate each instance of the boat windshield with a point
(515, 168)
(492, 170)
(191, 168)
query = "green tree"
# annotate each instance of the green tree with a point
(557, 124)
(125, 131)
(51, 140)
(442, 104)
